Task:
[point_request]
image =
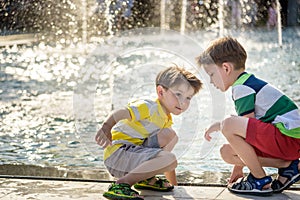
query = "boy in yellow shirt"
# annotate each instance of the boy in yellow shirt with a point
(138, 139)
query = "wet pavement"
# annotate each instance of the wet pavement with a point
(26, 188)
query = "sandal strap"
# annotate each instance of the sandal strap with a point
(122, 188)
(251, 183)
(161, 181)
(289, 171)
(149, 179)
(277, 185)
(157, 184)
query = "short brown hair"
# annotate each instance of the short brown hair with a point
(174, 75)
(226, 49)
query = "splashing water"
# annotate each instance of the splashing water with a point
(85, 56)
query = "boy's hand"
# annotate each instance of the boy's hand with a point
(213, 128)
(103, 136)
(236, 173)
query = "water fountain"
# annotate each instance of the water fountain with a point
(279, 26)
(79, 50)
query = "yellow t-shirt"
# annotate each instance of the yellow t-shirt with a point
(148, 118)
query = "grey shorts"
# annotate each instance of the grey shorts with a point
(130, 156)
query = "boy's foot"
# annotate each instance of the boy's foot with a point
(155, 183)
(292, 175)
(121, 191)
(252, 186)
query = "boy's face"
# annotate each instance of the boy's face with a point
(176, 99)
(218, 76)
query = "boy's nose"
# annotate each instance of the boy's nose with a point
(182, 102)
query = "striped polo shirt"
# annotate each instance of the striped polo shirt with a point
(269, 105)
(148, 117)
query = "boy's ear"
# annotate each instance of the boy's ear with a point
(228, 67)
(159, 90)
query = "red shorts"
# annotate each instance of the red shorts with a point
(269, 142)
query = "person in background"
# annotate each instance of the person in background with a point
(272, 16)
(253, 12)
(236, 12)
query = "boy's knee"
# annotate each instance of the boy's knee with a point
(175, 138)
(225, 151)
(165, 136)
(169, 158)
(170, 132)
(226, 125)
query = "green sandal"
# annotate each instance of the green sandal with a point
(121, 191)
(157, 186)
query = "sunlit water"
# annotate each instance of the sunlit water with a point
(47, 121)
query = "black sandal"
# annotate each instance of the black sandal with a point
(251, 186)
(291, 173)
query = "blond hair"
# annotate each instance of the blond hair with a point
(174, 75)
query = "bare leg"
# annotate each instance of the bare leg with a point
(171, 176)
(167, 139)
(239, 151)
(229, 156)
(234, 129)
(165, 161)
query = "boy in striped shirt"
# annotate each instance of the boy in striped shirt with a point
(138, 139)
(266, 132)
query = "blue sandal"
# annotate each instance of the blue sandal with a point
(291, 173)
(251, 186)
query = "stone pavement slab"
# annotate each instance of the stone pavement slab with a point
(33, 189)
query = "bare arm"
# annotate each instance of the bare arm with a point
(103, 136)
(217, 127)
(237, 172)
(214, 127)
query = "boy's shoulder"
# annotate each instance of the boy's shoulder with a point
(249, 84)
(250, 80)
(142, 101)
